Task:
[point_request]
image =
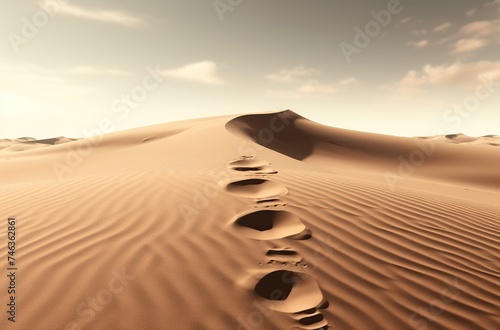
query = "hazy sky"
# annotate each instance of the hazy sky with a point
(395, 67)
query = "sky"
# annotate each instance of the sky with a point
(407, 68)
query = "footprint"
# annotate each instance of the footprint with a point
(283, 255)
(272, 202)
(256, 166)
(256, 188)
(316, 321)
(269, 224)
(323, 305)
(248, 164)
(288, 292)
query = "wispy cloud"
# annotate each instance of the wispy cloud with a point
(202, 72)
(463, 46)
(293, 74)
(419, 44)
(494, 3)
(464, 39)
(470, 12)
(481, 29)
(455, 74)
(300, 81)
(102, 15)
(470, 37)
(315, 87)
(348, 81)
(418, 32)
(410, 84)
(442, 27)
(476, 35)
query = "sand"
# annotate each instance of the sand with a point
(259, 221)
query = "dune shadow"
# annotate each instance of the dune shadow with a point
(276, 131)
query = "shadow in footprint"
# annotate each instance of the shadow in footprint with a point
(248, 164)
(310, 320)
(256, 166)
(272, 202)
(256, 188)
(288, 291)
(274, 287)
(283, 255)
(269, 224)
(303, 235)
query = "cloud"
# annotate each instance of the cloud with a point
(405, 20)
(455, 74)
(419, 44)
(477, 35)
(290, 75)
(443, 27)
(479, 29)
(468, 45)
(465, 39)
(471, 12)
(203, 72)
(473, 36)
(418, 32)
(302, 84)
(348, 81)
(101, 15)
(494, 3)
(411, 83)
(315, 87)
(319, 88)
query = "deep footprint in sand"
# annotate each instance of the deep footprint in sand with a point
(314, 321)
(288, 292)
(257, 166)
(312, 318)
(256, 188)
(283, 255)
(281, 290)
(269, 224)
(271, 202)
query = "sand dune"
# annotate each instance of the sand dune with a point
(487, 140)
(28, 143)
(263, 221)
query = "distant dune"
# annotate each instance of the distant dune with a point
(27, 143)
(258, 221)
